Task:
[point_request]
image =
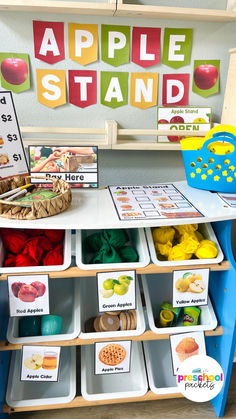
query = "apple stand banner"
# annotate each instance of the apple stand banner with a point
(15, 74)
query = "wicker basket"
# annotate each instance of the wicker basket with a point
(38, 209)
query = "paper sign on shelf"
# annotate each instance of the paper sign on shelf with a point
(177, 47)
(28, 295)
(76, 165)
(143, 90)
(116, 290)
(112, 357)
(83, 43)
(12, 155)
(40, 363)
(184, 346)
(175, 88)
(206, 77)
(115, 44)
(146, 46)
(51, 87)
(49, 41)
(190, 288)
(228, 198)
(15, 71)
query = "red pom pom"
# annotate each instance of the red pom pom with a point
(10, 261)
(55, 236)
(53, 258)
(14, 240)
(35, 232)
(25, 260)
(33, 249)
(45, 244)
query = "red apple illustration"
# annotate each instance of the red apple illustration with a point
(163, 121)
(14, 70)
(205, 76)
(16, 286)
(27, 294)
(177, 120)
(40, 287)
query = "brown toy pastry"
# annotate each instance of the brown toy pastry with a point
(187, 347)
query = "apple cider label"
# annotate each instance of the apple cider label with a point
(190, 288)
(12, 155)
(40, 363)
(116, 291)
(28, 295)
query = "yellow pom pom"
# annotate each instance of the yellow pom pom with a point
(199, 236)
(163, 235)
(163, 249)
(189, 242)
(206, 250)
(177, 253)
(188, 228)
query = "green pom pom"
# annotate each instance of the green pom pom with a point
(128, 254)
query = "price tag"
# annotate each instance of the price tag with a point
(12, 155)
(184, 346)
(28, 295)
(40, 363)
(116, 290)
(190, 288)
(112, 357)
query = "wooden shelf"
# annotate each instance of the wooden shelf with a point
(147, 335)
(69, 7)
(177, 13)
(79, 401)
(75, 272)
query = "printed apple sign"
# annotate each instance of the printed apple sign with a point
(14, 70)
(205, 76)
(28, 295)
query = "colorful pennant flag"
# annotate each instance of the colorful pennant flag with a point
(82, 88)
(206, 77)
(143, 90)
(49, 41)
(177, 47)
(114, 89)
(175, 88)
(51, 87)
(83, 43)
(115, 44)
(146, 46)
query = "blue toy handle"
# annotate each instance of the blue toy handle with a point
(224, 136)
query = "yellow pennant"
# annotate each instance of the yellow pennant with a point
(143, 90)
(83, 43)
(51, 87)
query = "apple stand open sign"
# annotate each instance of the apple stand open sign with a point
(28, 295)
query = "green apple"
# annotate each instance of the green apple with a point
(107, 293)
(124, 279)
(108, 284)
(121, 289)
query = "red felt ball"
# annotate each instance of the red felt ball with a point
(33, 249)
(53, 258)
(25, 260)
(35, 232)
(55, 236)
(14, 240)
(10, 261)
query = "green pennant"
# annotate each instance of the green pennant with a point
(177, 47)
(114, 88)
(115, 44)
(15, 71)
(206, 77)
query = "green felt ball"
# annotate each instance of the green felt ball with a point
(128, 254)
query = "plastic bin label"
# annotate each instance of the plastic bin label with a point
(229, 199)
(116, 290)
(12, 155)
(190, 287)
(28, 295)
(40, 363)
(185, 345)
(112, 357)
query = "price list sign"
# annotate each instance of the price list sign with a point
(12, 155)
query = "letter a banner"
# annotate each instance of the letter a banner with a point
(114, 89)
(49, 41)
(177, 47)
(143, 90)
(115, 44)
(83, 43)
(51, 87)
(82, 87)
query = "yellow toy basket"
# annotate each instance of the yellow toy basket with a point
(210, 162)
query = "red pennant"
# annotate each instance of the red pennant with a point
(175, 89)
(49, 41)
(146, 46)
(82, 88)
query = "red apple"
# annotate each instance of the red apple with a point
(205, 76)
(16, 286)
(27, 294)
(177, 120)
(14, 70)
(40, 287)
(163, 121)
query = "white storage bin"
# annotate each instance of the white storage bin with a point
(208, 233)
(28, 393)
(113, 386)
(157, 289)
(137, 239)
(65, 265)
(64, 302)
(159, 367)
(89, 308)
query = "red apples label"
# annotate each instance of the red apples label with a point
(28, 295)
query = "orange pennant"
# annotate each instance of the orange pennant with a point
(83, 43)
(143, 90)
(51, 87)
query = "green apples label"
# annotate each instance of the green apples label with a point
(116, 290)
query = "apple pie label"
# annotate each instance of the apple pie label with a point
(28, 295)
(12, 155)
(116, 290)
(112, 357)
(190, 287)
(184, 346)
(40, 363)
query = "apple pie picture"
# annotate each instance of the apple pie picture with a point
(112, 354)
(4, 159)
